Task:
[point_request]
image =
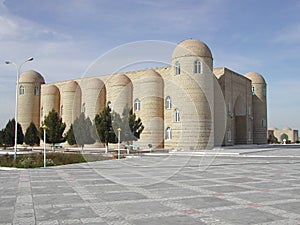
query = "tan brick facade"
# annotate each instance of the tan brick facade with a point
(187, 105)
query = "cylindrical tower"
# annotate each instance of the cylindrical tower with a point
(93, 97)
(259, 105)
(119, 92)
(193, 98)
(149, 106)
(71, 102)
(50, 99)
(29, 98)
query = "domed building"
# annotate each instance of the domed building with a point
(188, 105)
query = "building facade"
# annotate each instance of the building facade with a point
(187, 105)
(284, 136)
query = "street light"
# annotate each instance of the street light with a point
(18, 67)
(44, 128)
(119, 135)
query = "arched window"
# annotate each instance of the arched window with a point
(228, 135)
(62, 110)
(36, 90)
(197, 66)
(249, 135)
(168, 133)
(168, 102)
(177, 68)
(83, 108)
(176, 115)
(42, 112)
(264, 90)
(22, 90)
(137, 105)
(109, 104)
(253, 90)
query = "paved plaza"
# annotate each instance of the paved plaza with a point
(225, 186)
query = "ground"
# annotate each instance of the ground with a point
(239, 185)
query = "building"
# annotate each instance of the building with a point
(285, 135)
(187, 105)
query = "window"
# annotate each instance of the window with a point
(168, 133)
(228, 135)
(42, 112)
(197, 67)
(83, 108)
(253, 90)
(177, 68)
(176, 115)
(109, 104)
(168, 102)
(264, 91)
(137, 105)
(249, 111)
(62, 110)
(36, 90)
(249, 135)
(263, 123)
(22, 90)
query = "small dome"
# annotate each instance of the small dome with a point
(287, 129)
(150, 73)
(191, 47)
(49, 90)
(93, 83)
(256, 78)
(273, 128)
(119, 80)
(31, 76)
(70, 86)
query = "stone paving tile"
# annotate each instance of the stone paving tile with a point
(226, 188)
(204, 202)
(245, 216)
(293, 207)
(168, 220)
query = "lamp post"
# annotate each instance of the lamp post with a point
(44, 128)
(119, 136)
(18, 67)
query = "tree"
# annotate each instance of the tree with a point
(9, 133)
(83, 130)
(105, 131)
(55, 128)
(132, 127)
(1, 137)
(31, 135)
(70, 137)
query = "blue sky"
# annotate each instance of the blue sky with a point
(65, 37)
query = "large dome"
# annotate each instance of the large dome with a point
(256, 78)
(191, 47)
(31, 76)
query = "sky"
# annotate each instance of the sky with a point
(66, 37)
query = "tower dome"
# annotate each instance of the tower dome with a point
(256, 78)
(31, 76)
(191, 47)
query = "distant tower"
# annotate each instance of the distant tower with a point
(149, 106)
(50, 100)
(259, 105)
(192, 94)
(71, 102)
(29, 97)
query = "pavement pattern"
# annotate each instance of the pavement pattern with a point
(258, 187)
